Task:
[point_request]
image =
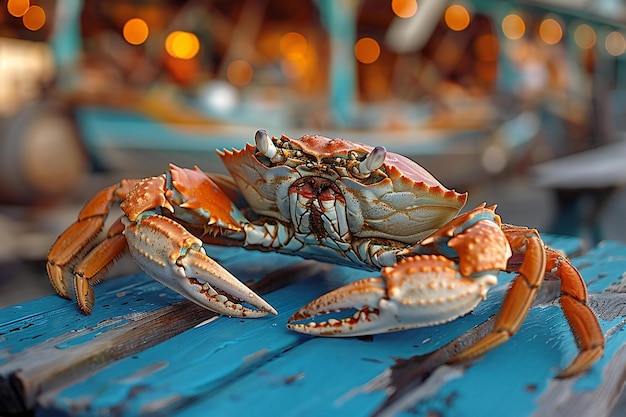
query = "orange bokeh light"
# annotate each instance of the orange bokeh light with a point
(366, 50)
(513, 26)
(183, 45)
(457, 17)
(135, 31)
(404, 8)
(239, 72)
(615, 43)
(18, 8)
(293, 44)
(34, 18)
(550, 31)
(585, 36)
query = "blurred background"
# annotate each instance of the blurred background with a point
(520, 103)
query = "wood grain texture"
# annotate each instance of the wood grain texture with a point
(146, 352)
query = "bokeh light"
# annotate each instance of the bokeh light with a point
(293, 44)
(615, 43)
(366, 50)
(219, 97)
(404, 8)
(18, 8)
(294, 48)
(584, 36)
(34, 18)
(513, 26)
(183, 45)
(239, 72)
(135, 31)
(550, 31)
(457, 17)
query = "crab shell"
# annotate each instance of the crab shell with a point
(399, 201)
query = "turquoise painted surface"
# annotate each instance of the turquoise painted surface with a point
(231, 366)
(29, 324)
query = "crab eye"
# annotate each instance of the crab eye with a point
(264, 143)
(372, 161)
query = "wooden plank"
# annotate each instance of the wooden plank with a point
(48, 342)
(326, 377)
(242, 365)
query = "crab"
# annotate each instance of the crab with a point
(335, 201)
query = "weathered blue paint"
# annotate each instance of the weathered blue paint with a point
(29, 324)
(230, 366)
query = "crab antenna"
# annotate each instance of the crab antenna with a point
(264, 144)
(373, 160)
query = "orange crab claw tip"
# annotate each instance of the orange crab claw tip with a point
(55, 273)
(582, 362)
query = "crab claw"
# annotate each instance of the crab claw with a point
(167, 252)
(418, 291)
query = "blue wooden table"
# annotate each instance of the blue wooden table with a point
(146, 351)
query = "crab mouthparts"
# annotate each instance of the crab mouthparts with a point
(318, 207)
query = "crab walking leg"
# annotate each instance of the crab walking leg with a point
(520, 296)
(167, 252)
(97, 262)
(78, 238)
(583, 322)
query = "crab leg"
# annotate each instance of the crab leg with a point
(78, 238)
(97, 262)
(584, 324)
(520, 296)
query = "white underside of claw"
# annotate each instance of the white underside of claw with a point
(405, 297)
(171, 255)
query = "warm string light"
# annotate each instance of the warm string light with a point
(457, 17)
(366, 50)
(615, 44)
(294, 49)
(513, 26)
(135, 31)
(404, 8)
(182, 45)
(550, 31)
(18, 8)
(584, 36)
(33, 16)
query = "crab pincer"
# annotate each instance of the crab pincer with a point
(174, 257)
(418, 291)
